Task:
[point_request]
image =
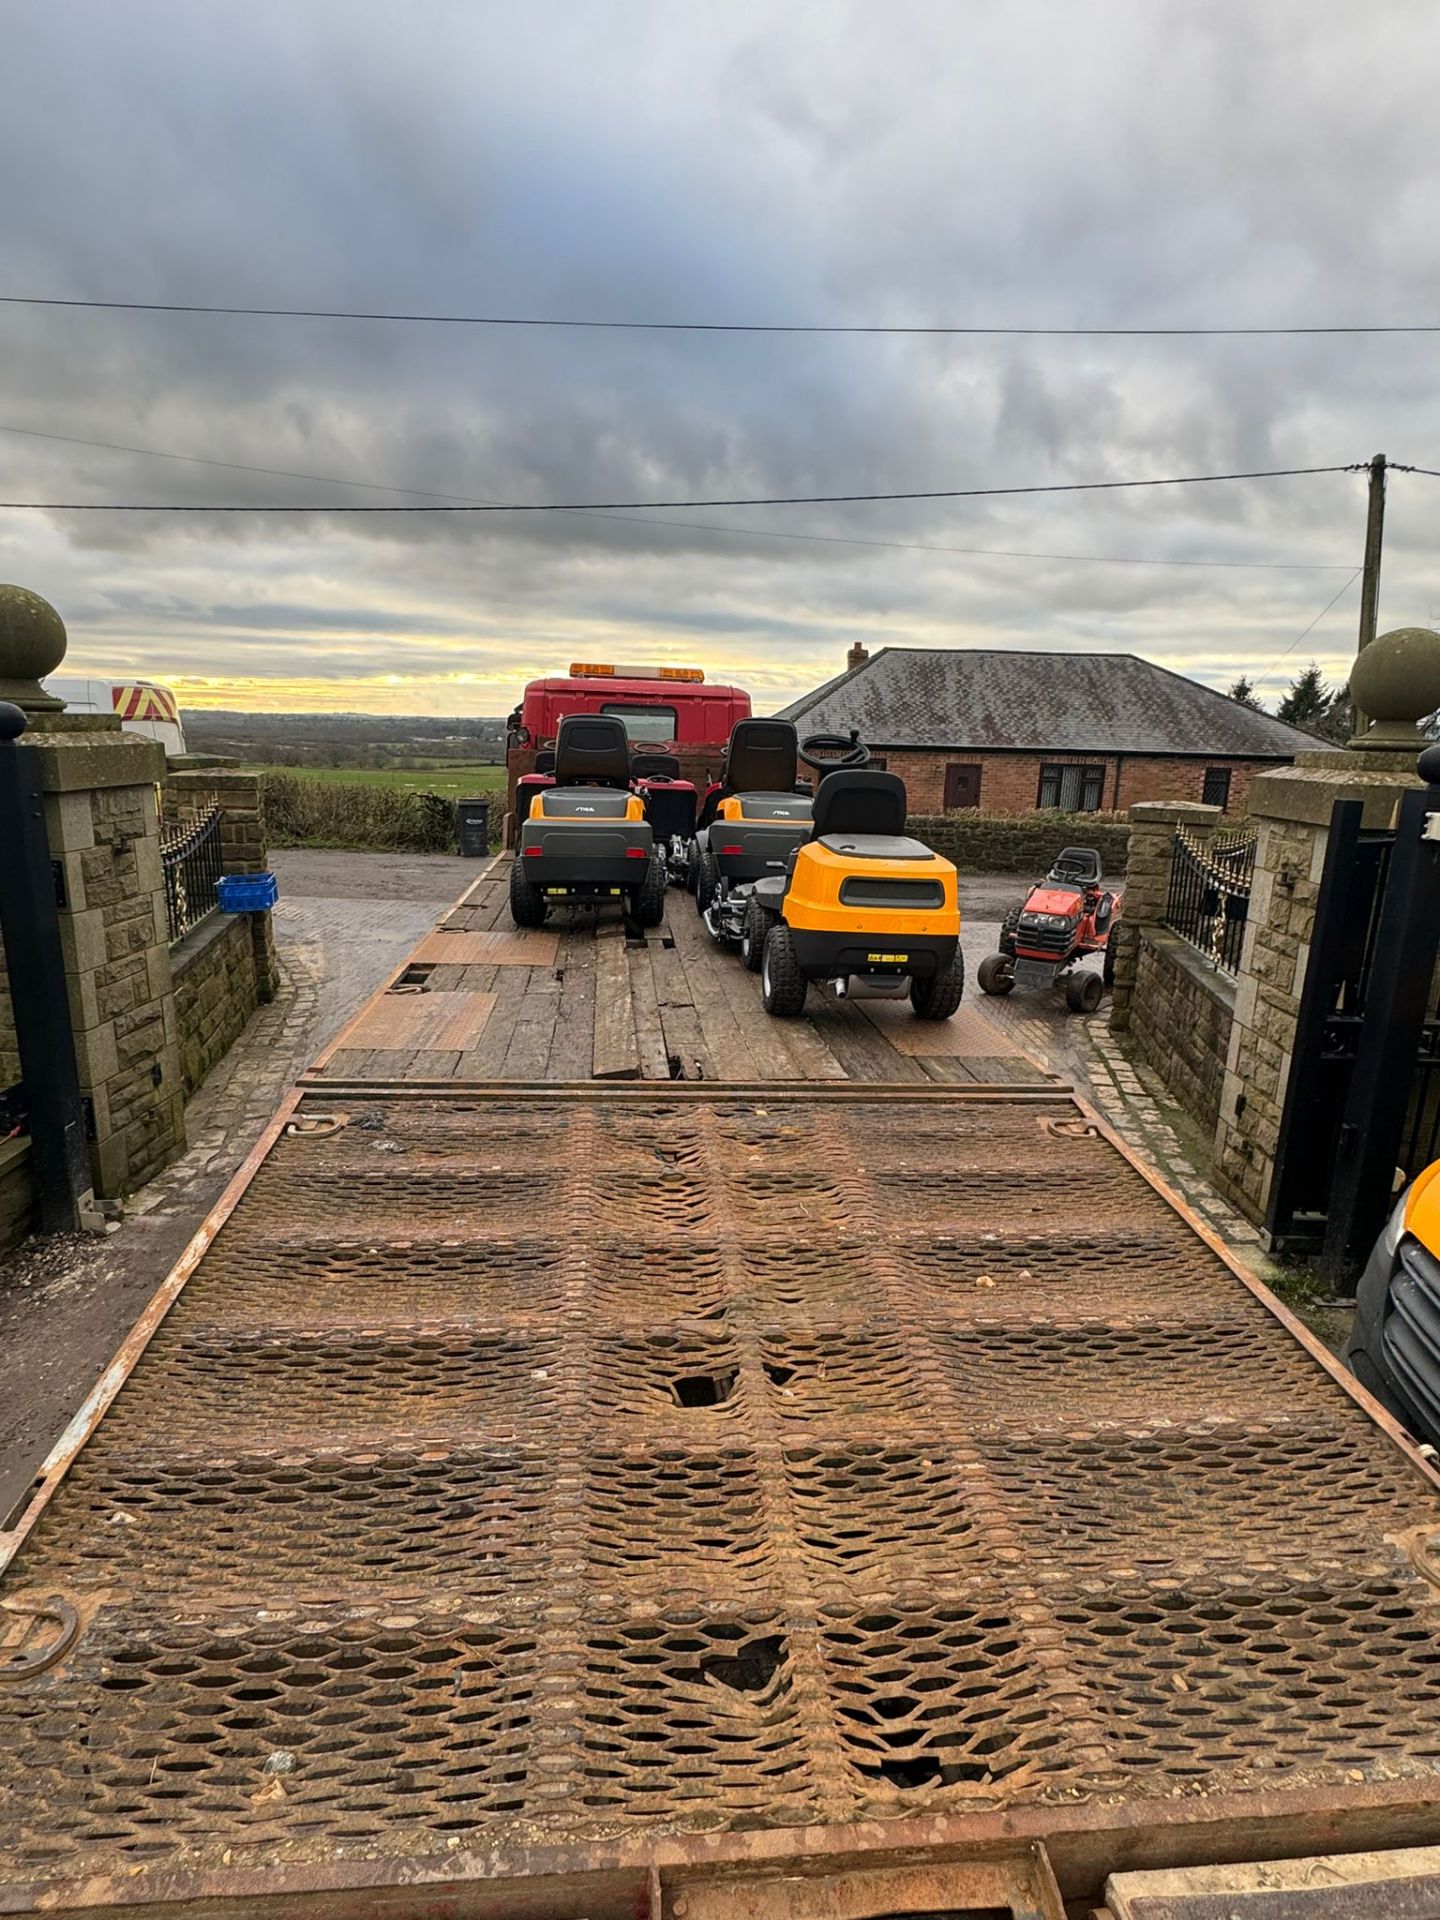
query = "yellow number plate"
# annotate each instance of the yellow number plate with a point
(886, 959)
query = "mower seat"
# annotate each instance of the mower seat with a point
(863, 812)
(754, 816)
(1076, 867)
(588, 830)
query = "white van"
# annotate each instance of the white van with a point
(143, 706)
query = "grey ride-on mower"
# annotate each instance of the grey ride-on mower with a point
(756, 816)
(586, 841)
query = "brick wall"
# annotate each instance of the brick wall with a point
(217, 988)
(1005, 843)
(1010, 782)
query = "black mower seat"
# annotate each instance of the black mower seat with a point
(860, 801)
(1079, 865)
(655, 766)
(592, 750)
(564, 803)
(762, 756)
(876, 846)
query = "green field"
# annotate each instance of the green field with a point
(455, 781)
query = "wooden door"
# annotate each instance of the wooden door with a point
(962, 785)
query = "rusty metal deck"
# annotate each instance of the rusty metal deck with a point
(531, 1497)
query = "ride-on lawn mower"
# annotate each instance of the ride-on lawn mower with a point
(861, 905)
(755, 817)
(671, 805)
(1065, 916)
(586, 840)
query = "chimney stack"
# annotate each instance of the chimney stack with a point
(856, 657)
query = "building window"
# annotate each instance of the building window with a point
(1216, 790)
(878, 763)
(1071, 789)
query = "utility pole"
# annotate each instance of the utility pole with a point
(1370, 585)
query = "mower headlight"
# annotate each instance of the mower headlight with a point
(1395, 1227)
(1044, 920)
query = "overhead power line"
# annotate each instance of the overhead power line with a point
(714, 326)
(623, 506)
(698, 526)
(1306, 632)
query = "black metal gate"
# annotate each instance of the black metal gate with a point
(1363, 1095)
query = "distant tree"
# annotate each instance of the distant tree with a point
(1339, 722)
(1309, 703)
(1243, 694)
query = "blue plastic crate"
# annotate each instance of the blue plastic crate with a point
(246, 892)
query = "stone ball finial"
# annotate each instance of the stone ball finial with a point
(1396, 681)
(12, 720)
(32, 644)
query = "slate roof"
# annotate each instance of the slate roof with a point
(977, 698)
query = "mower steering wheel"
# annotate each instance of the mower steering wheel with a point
(834, 752)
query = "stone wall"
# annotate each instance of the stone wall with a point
(1147, 888)
(1027, 843)
(243, 849)
(216, 991)
(1181, 1012)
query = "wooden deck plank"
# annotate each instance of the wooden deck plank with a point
(649, 1028)
(572, 1042)
(535, 1019)
(425, 1021)
(860, 1047)
(683, 1035)
(498, 947)
(615, 1054)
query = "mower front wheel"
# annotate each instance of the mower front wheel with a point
(996, 974)
(782, 983)
(527, 902)
(940, 996)
(647, 902)
(753, 935)
(1084, 992)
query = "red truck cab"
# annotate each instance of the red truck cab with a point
(666, 707)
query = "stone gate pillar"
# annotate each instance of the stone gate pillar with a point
(101, 815)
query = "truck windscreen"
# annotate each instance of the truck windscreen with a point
(645, 723)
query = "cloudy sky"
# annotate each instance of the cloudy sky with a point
(1026, 162)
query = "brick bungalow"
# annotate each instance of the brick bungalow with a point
(1010, 732)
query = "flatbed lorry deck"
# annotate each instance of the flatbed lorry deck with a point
(769, 1499)
(525, 1486)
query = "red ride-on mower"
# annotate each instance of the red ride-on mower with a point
(1066, 915)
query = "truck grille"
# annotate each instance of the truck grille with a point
(870, 1455)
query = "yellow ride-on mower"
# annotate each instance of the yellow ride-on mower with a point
(861, 905)
(586, 840)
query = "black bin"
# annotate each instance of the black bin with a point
(472, 827)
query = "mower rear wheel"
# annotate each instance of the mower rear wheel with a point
(752, 936)
(782, 983)
(527, 902)
(1084, 992)
(996, 974)
(647, 902)
(707, 879)
(940, 996)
